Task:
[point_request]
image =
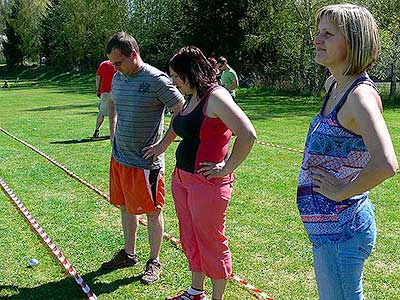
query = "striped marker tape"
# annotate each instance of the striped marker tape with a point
(280, 147)
(272, 145)
(52, 246)
(258, 292)
(56, 163)
(168, 236)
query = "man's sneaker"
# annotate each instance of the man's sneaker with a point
(186, 296)
(96, 134)
(120, 260)
(152, 271)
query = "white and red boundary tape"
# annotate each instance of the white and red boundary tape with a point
(52, 246)
(52, 160)
(279, 147)
(168, 236)
(273, 145)
(258, 292)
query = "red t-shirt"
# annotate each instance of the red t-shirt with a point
(106, 71)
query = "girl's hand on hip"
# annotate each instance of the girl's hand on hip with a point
(212, 170)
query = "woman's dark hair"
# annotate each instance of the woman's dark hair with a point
(191, 64)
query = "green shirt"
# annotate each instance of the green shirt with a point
(228, 77)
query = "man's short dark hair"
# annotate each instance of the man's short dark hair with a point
(222, 60)
(124, 42)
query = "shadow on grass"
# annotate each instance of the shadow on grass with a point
(66, 288)
(55, 88)
(61, 89)
(67, 81)
(88, 113)
(61, 107)
(46, 73)
(17, 86)
(85, 140)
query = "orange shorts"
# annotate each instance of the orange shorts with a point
(141, 191)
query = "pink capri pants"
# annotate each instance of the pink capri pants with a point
(201, 206)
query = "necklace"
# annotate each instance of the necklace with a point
(339, 92)
(189, 99)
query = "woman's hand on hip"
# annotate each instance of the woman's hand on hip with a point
(212, 170)
(329, 185)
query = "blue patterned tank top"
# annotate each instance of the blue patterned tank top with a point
(335, 149)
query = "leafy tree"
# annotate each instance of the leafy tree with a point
(75, 32)
(387, 13)
(54, 40)
(214, 27)
(25, 21)
(12, 46)
(158, 27)
(310, 75)
(90, 23)
(280, 34)
(269, 40)
(5, 7)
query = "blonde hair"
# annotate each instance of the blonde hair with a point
(360, 31)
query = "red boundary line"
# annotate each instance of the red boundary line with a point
(47, 240)
(279, 146)
(168, 236)
(271, 145)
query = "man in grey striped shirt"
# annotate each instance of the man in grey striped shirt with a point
(140, 93)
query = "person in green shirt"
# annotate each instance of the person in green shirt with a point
(229, 78)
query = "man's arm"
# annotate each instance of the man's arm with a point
(98, 84)
(235, 82)
(233, 86)
(156, 149)
(112, 116)
(170, 135)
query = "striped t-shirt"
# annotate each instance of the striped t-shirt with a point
(139, 101)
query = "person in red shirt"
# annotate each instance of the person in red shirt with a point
(104, 76)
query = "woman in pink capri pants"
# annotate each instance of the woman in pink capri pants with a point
(203, 178)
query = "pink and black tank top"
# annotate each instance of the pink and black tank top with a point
(203, 138)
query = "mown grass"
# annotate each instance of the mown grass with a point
(269, 246)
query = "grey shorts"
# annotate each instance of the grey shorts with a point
(103, 105)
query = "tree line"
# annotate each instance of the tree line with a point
(269, 42)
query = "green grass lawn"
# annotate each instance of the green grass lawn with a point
(268, 242)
